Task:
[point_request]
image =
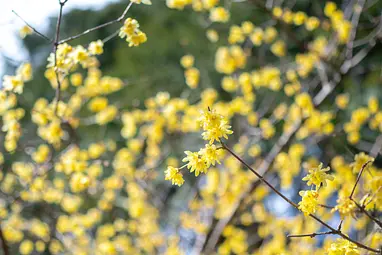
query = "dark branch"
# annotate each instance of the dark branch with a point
(98, 27)
(333, 230)
(35, 30)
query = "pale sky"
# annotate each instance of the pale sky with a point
(36, 13)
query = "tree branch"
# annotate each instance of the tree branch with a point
(55, 46)
(312, 234)
(35, 30)
(98, 27)
(358, 178)
(332, 230)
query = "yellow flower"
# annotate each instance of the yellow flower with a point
(79, 182)
(212, 35)
(106, 115)
(229, 84)
(80, 54)
(174, 175)
(187, 61)
(76, 79)
(215, 126)
(373, 105)
(25, 72)
(219, 14)
(136, 39)
(107, 248)
(41, 154)
(97, 104)
(312, 23)
(342, 101)
(343, 247)
(318, 176)
(195, 162)
(278, 48)
(345, 206)
(13, 83)
(309, 201)
(128, 28)
(96, 48)
(192, 77)
(277, 12)
(236, 35)
(210, 154)
(25, 30)
(330, 8)
(26, 247)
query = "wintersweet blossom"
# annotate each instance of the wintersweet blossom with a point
(309, 202)
(174, 175)
(215, 126)
(342, 246)
(318, 176)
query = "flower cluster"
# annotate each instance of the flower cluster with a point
(192, 74)
(215, 128)
(16, 83)
(309, 202)
(317, 176)
(130, 30)
(342, 246)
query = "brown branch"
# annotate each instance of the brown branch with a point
(333, 230)
(35, 30)
(362, 207)
(312, 234)
(55, 46)
(326, 206)
(263, 170)
(363, 210)
(108, 38)
(358, 178)
(99, 26)
(260, 176)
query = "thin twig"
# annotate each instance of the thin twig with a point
(35, 30)
(106, 39)
(260, 177)
(99, 26)
(335, 231)
(362, 209)
(358, 178)
(326, 206)
(312, 234)
(55, 47)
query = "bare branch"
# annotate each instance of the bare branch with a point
(98, 27)
(312, 234)
(363, 210)
(332, 230)
(358, 178)
(35, 30)
(55, 46)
